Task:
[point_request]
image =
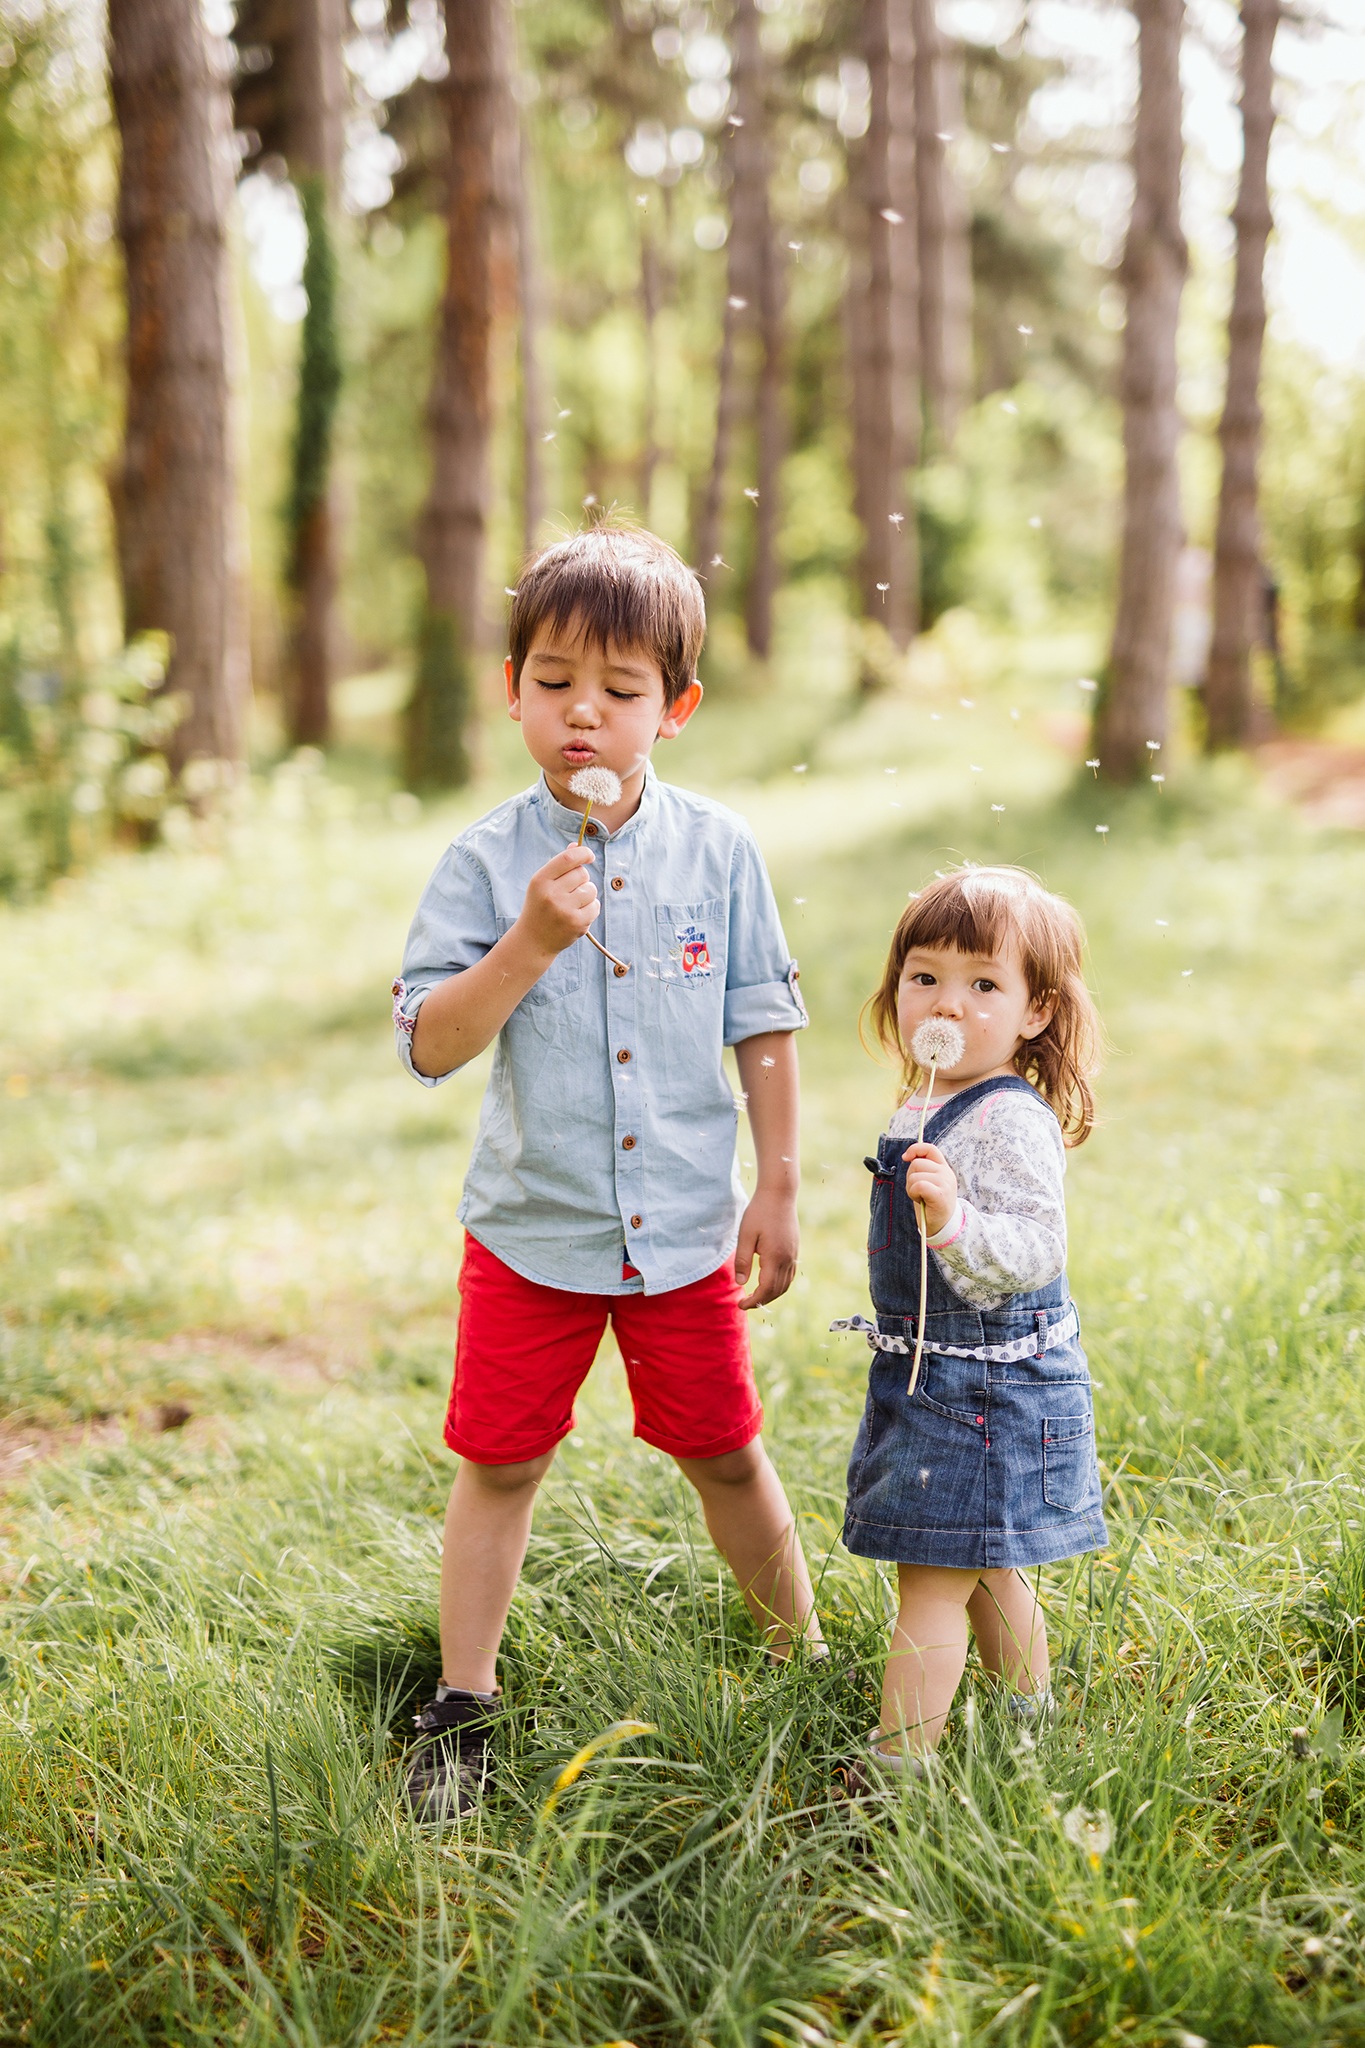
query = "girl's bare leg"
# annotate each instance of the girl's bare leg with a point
(753, 1528)
(928, 1653)
(1010, 1631)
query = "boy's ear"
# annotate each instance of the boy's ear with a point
(677, 715)
(513, 692)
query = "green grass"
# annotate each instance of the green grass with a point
(219, 1195)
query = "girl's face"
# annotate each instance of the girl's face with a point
(986, 997)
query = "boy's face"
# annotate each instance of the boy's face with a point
(584, 706)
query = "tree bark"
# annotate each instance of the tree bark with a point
(883, 325)
(945, 259)
(175, 500)
(1133, 706)
(1238, 598)
(752, 353)
(453, 527)
(534, 411)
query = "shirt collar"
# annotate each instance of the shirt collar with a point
(570, 821)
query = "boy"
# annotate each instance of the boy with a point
(603, 1182)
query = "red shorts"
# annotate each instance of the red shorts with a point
(524, 1350)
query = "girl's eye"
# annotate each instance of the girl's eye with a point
(923, 981)
(984, 985)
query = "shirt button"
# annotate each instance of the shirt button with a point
(619, 971)
(627, 1144)
(623, 1056)
(592, 832)
(636, 1221)
(617, 883)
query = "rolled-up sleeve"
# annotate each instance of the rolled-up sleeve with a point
(454, 927)
(761, 992)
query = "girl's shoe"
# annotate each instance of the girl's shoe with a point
(1033, 1709)
(450, 1769)
(873, 1770)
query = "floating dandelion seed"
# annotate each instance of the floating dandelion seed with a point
(1103, 831)
(1026, 330)
(800, 768)
(1086, 683)
(889, 213)
(737, 304)
(1163, 922)
(591, 499)
(1154, 746)
(937, 1043)
(751, 493)
(896, 518)
(883, 587)
(1094, 767)
(1009, 406)
(551, 436)
(565, 412)
(507, 590)
(1158, 780)
(1000, 808)
(1035, 521)
(1092, 1833)
(599, 786)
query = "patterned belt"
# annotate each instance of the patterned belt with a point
(994, 1354)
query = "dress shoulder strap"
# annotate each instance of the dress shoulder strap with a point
(956, 1107)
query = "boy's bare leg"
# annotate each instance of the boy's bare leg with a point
(753, 1528)
(928, 1655)
(488, 1525)
(1010, 1631)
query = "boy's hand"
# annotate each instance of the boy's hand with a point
(769, 1231)
(932, 1181)
(560, 904)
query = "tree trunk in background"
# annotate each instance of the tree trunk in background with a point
(754, 315)
(453, 529)
(1238, 601)
(945, 256)
(175, 503)
(649, 311)
(534, 411)
(316, 90)
(883, 325)
(1133, 706)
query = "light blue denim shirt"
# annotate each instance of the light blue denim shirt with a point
(607, 1133)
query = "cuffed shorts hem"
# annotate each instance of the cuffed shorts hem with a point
(485, 1454)
(975, 1549)
(733, 1440)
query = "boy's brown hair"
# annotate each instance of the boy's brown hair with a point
(988, 911)
(615, 582)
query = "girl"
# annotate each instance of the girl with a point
(986, 1464)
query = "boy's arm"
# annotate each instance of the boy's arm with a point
(768, 1228)
(465, 1012)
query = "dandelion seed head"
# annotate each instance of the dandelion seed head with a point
(1091, 1832)
(938, 1043)
(596, 785)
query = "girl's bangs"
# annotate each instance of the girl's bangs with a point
(971, 915)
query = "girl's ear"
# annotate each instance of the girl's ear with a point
(1040, 1015)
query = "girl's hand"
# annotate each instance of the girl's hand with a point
(561, 902)
(932, 1181)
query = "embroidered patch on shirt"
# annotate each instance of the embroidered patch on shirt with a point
(695, 953)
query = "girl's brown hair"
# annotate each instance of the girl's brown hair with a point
(988, 911)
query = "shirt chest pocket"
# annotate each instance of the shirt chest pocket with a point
(690, 946)
(563, 977)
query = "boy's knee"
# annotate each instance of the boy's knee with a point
(731, 1468)
(508, 1478)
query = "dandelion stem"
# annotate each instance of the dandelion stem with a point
(923, 1242)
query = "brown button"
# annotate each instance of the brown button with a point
(618, 970)
(636, 1221)
(623, 1056)
(592, 831)
(617, 883)
(627, 1144)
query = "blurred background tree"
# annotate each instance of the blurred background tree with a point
(828, 291)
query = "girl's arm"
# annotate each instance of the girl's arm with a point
(1005, 1229)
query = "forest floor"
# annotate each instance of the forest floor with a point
(227, 1303)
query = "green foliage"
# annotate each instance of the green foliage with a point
(319, 370)
(436, 724)
(222, 1198)
(81, 763)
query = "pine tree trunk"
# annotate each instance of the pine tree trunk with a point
(945, 263)
(752, 324)
(883, 325)
(315, 85)
(1237, 593)
(1134, 704)
(534, 410)
(453, 530)
(175, 502)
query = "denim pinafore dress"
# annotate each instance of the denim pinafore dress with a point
(991, 1462)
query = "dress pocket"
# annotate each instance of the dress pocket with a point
(1070, 1474)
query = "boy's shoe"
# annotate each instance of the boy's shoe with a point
(450, 1768)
